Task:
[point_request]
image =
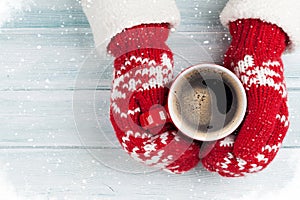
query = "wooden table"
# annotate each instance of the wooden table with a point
(56, 141)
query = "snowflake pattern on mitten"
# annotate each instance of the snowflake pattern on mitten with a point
(255, 57)
(140, 79)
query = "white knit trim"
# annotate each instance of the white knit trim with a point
(159, 159)
(7, 7)
(264, 75)
(273, 148)
(107, 18)
(283, 119)
(285, 14)
(155, 76)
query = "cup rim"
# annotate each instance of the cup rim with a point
(219, 134)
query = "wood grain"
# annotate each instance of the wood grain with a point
(76, 118)
(76, 174)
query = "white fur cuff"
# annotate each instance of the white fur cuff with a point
(110, 17)
(283, 13)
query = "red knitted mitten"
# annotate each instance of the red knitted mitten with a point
(222, 159)
(143, 68)
(255, 57)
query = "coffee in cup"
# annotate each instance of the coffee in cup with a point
(206, 102)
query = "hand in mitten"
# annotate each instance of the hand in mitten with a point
(221, 158)
(255, 57)
(143, 67)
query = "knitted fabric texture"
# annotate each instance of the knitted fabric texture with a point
(255, 57)
(143, 68)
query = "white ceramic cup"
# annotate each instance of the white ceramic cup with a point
(207, 102)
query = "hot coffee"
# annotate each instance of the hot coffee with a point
(202, 102)
(207, 102)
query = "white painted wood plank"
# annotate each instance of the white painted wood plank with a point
(47, 59)
(75, 174)
(43, 59)
(75, 118)
(46, 119)
(197, 15)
